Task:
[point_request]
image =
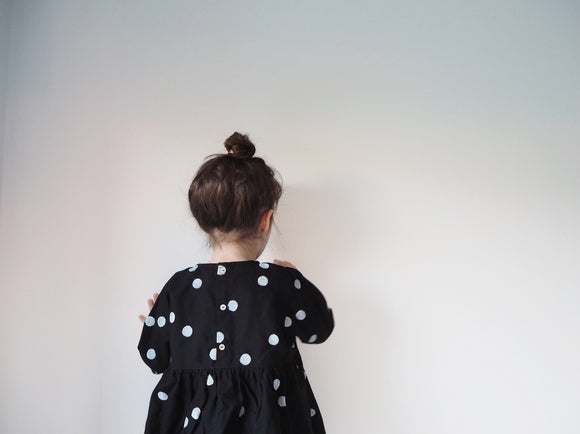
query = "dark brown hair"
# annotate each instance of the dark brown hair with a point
(230, 192)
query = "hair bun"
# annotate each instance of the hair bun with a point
(240, 146)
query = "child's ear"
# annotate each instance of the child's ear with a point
(266, 220)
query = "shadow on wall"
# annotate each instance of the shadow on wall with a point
(323, 230)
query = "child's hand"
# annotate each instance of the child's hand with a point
(284, 263)
(150, 302)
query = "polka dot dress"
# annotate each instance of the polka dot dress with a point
(223, 336)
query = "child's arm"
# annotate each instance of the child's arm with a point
(154, 342)
(311, 317)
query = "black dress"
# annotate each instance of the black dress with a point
(224, 337)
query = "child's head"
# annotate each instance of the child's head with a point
(231, 193)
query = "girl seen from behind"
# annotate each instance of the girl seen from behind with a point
(223, 333)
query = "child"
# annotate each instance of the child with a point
(223, 333)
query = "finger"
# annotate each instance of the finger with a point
(150, 303)
(142, 318)
(284, 263)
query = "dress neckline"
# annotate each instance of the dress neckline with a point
(248, 261)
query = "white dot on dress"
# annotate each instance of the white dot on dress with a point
(193, 268)
(276, 384)
(185, 422)
(162, 396)
(209, 381)
(219, 337)
(245, 359)
(196, 283)
(287, 322)
(264, 265)
(221, 270)
(195, 413)
(242, 411)
(213, 354)
(297, 284)
(312, 339)
(300, 315)
(171, 317)
(161, 321)
(187, 331)
(262, 280)
(282, 401)
(151, 354)
(149, 321)
(233, 305)
(312, 412)
(273, 339)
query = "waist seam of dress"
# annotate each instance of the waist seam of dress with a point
(236, 368)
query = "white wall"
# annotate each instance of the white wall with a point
(4, 54)
(430, 153)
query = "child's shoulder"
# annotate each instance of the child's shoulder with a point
(288, 276)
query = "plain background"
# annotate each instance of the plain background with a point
(430, 153)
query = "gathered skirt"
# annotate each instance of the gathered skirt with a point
(273, 400)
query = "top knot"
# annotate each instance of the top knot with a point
(240, 146)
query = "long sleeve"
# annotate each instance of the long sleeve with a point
(154, 342)
(310, 316)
